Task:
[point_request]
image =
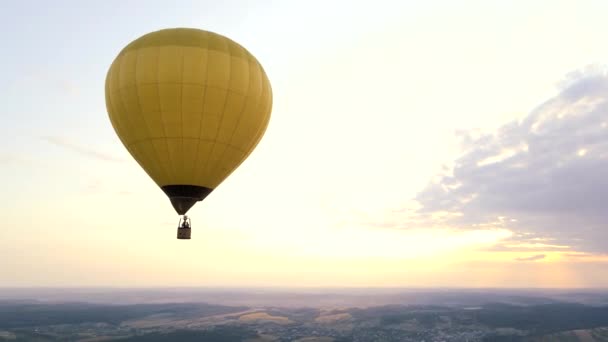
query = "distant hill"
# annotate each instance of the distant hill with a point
(14, 315)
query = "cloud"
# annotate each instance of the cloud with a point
(519, 246)
(12, 159)
(6, 159)
(545, 176)
(84, 150)
(578, 255)
(48, 80)
(93, 186)
(531, 258)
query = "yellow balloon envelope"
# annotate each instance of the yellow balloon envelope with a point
(190, 106)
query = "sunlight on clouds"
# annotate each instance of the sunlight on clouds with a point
(504, 154)
(535, 245)
(582, 152)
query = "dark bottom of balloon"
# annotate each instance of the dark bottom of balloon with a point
(183, 197)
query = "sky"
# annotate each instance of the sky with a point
(411, 144)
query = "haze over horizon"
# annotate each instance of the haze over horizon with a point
(434, 144)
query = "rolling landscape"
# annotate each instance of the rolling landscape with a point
(325, 315)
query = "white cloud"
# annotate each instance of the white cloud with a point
(557, 186)
(82, 149)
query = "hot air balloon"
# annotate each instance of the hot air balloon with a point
(190, 106)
